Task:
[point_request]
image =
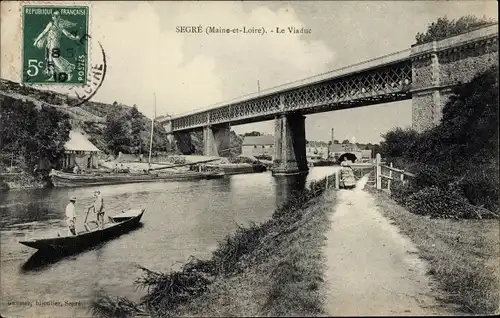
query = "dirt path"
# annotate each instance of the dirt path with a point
(372, 268)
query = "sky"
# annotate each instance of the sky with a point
(147, 56)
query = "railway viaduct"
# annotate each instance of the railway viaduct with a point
(424, 73)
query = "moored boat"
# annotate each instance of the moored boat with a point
(239, 168)
(117, 225)
(64, 179)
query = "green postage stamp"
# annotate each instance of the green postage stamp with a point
(55, 46)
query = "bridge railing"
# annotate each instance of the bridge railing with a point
(352, 68)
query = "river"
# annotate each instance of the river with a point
(181, 219)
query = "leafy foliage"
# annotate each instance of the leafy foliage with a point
(461, 152)
(253, 133)
(137, 126)
(398, 142)
(439, 203)
(444, 28)
(116, 134)
(36, 135)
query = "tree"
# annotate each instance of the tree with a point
(116, 134)
(398, 142)
(444, 28)
(35, 136)
(335, 141)
(253, 133)
(50, 135)
(137, 126)
(346, 142)
(468, 131)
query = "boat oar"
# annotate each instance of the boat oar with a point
(86, 216)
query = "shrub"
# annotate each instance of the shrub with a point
(432, 176)
(401, 191)
(440, 203)
(228, 255)
(481, 187)
(444, 28)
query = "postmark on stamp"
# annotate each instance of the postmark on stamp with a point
(55, 46)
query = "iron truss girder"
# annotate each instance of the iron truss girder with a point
(379, 85)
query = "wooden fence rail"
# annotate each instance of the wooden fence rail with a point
(381, 168)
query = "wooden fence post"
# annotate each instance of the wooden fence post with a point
(389, 180)
(378, 171)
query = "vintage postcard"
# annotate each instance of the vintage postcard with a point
(249, 158)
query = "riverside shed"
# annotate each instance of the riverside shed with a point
(78, 150)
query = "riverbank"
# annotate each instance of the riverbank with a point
(282, 276)
(21, 181)
(272, 269)
(463, 255)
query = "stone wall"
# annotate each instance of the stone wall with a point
(439, 66)
(461, 64)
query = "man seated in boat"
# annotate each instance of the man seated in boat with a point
(98, 207)
(71, 216)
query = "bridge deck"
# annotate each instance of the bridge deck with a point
(380, 80)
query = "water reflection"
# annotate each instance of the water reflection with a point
(182, 219)
(288, 187)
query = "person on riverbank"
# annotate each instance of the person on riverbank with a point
(71, 216)
(347, 179)
(98, 207)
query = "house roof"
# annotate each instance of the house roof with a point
(340, 148)
(258, 140)
(78, 142)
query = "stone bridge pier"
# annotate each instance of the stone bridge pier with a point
(289, 144)
(216, 140)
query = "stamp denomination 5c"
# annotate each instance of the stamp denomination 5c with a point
(55, 47)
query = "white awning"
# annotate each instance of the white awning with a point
(78, 142)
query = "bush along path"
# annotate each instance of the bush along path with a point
(372, 268)
(272, 269)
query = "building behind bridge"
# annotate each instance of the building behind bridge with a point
(337, 150)
(258, 145)
(264, 145)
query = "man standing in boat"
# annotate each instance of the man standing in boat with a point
(71, 215)
(98, 207)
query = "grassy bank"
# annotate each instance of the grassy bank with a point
(463, 255)
(22, 181)
(271, 269)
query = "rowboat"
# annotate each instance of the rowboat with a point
(64, 179)
(117, 225)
